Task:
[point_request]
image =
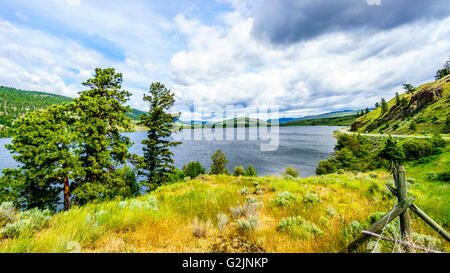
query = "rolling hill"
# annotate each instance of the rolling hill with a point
(423, 111)
(15, 102)
(321, 121)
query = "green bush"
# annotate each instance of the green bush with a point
(284, 198)
(291, 171)
(250, 171)
(431, 175)
(7, 213)
(311, 199)
(193, 169)
(238, 171)
(416, 148)
(177, 176)
(444, 176)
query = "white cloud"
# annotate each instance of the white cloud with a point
(73, 2)
(226, 65)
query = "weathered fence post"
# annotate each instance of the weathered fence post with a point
(405, 220)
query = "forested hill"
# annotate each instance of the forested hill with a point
(14, 103)
(421, 110)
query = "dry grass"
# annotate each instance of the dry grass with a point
(186, 219)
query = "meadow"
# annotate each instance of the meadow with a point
(220, 213)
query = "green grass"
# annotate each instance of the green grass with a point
(330, 211)
(430, 119)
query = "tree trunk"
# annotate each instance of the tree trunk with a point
(66, 193)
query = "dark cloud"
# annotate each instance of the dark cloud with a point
(290, 21)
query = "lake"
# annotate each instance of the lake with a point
(299, 146)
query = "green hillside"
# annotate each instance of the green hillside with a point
(15, 102)
(423, 111)
(330, 121)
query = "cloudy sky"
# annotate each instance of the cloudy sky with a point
(307, 56)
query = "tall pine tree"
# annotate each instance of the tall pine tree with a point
(157, 163)
(100, 115)
(43, 145)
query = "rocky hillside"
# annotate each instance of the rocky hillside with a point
(423, 111)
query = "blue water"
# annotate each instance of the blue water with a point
(300, 146)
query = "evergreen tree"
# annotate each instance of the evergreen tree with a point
(219, 163)
(239, 171)
(100, 113)
(367, 111)
(377, 105)
(384, 106)
(43, 145)
(408, 87)
(444, 71)
(193, 169)
(250, 171)
(157, 162)
(391, 151)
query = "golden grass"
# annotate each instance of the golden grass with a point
(114, 227)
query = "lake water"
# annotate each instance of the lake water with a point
(299, 146)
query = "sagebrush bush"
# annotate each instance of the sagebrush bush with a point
(7, 213)
(249, 224)
(426, 240)
(251, 207)
(284, 198)
(200, 229)
(222, 221)
(311, 199)
(299, 227)
(245, 191)
(28, 221)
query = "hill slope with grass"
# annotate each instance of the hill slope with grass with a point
(15, 102)
(331, 121)
(423, 111)
(234, 214)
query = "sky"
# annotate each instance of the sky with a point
(307, 57)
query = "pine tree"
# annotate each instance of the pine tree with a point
(43, 145)
(392, 152)
(157, 163)
(250, 171)
(100, 115)
(219, 163)
(384, 106)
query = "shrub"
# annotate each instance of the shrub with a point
(245, 191)
(431, 175)
(7, 213)
(200, 229)
(249, 224)
(250, 171)
(219, 163)
(298, 227)
(416, 148)
(291, 171)
(128, 176)
(28, 221)
(413, 126)
(437, 141)
(250, 208)
(373, 188)
(193, 169)
(330, 211)
(222, 221)
(239, 171)
(283, 199)
(444, 176)
(311, 199)
(177, 176)
(426, 240)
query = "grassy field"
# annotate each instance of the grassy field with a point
(242, 214)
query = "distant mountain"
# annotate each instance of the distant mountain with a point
(333, 121)
(15, 102)
(423, 111)
(342, 113)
